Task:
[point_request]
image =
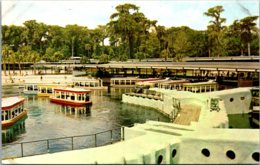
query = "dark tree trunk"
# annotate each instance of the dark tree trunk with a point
(130, 42)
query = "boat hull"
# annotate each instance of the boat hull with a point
(9, 123)
(69, 102)
(30, 92)
(44, 94)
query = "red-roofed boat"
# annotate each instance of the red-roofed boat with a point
(71, 96)
(12, 111)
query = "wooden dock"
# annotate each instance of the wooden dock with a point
(187, 114)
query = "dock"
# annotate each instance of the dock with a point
(187, 114)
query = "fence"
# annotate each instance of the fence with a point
(61, 144)
(145, 96)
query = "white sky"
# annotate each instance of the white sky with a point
(91, 13)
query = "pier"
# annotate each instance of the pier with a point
(241, 72)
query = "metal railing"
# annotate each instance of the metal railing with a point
(49, 145)
(154, 97)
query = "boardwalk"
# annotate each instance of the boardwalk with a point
(187, 114)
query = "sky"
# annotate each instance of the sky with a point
(92, 13)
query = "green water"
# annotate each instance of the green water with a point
(47, 120)
(239, 121)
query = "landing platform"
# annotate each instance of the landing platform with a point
(188, 114)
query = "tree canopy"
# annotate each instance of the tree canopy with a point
(129, 34)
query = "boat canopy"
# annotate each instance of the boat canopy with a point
(10, 102)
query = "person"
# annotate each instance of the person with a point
(41, 77)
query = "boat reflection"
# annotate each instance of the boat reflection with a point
(74, 111)
(13, 116)
(11, 133)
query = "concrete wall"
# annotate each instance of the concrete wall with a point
(164, 147)
(157, 104)
(207, 118)
(220, 143)
(236, 101)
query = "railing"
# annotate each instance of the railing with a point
(63, 143)
(145, 96)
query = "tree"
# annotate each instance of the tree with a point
(87, 48)
(75, 36)
(34, 33)
(6, 52)
(161, 35)
(123, 24)
(128, 29)
(215, 30)
(57, 56)
(140, 55)
(13, 36)
(248, 25)
(12, 59)
(84, 60)
(19, 59)
(165, 54)
(103, 58)
(233, 39)
(181, 46)
(49, 54)
(22, 54)
(34, 57)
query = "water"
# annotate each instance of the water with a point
(239, 121)
(47, 120)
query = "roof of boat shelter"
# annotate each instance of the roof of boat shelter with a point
(208, 65)
(200, 83)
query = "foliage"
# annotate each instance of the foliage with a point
(165, 54)
(247, 26)
(140, 55)
(181, 46)
(216, 31)
(103, 58)
(130, 35)
(84, 60)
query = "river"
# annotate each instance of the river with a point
(47, 120)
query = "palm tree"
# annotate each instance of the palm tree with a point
(21, 55)
(5, 57)
(19, 59)
(34, 57)
(12, 60)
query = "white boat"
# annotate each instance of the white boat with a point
(71, 96)
(30, 89)
(12, 111)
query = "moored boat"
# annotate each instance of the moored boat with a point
(71, 96)
(87, 83)
(46, 89)
(30, 89)
(12, 111)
